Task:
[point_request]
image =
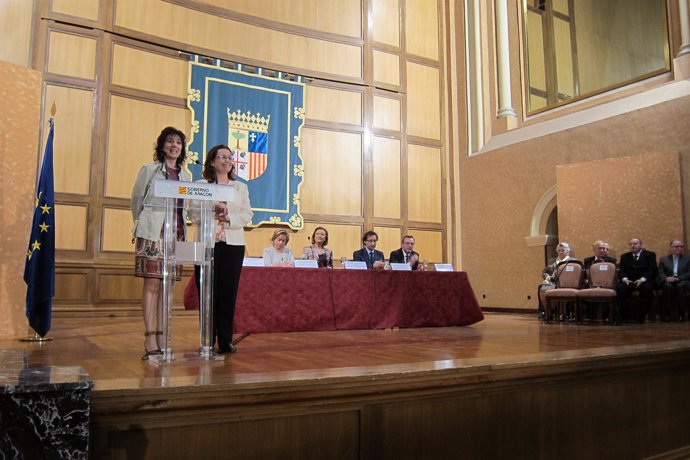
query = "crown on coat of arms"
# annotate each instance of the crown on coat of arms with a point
(247, 121)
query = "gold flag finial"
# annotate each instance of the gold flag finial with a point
(53, 109)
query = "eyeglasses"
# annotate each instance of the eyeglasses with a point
(224, 157)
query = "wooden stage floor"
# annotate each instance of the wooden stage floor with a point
(109, 349)
(507, 387)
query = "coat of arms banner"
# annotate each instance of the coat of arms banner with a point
(260, 119)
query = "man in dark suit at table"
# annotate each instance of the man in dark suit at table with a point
(406, 253)
(638, 270)
(369, 253)
(674, 279)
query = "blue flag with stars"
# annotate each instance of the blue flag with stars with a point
(39, 269)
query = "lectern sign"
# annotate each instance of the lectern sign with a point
(193, 190)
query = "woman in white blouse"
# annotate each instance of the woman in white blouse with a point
(231, 218)
(277, 255)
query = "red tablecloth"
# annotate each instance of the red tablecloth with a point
(307, 299)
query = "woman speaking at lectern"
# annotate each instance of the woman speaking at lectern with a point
(149, 214)
(228, 254)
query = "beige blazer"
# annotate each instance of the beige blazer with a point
(240, 212)
(148, 211)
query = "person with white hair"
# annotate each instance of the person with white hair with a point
(563, 251)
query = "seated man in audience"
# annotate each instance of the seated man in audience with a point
(638, 270)
(674, 277)
(406, 254)
(369, 254)
(601, 254)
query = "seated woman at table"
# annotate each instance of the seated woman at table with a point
(318, 250)
(277, 255)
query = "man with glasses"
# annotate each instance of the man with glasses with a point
(674, 277)
(369, 254)
(601, 254)
(638, 270)
(406, 253)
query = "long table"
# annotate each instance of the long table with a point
(308, 299)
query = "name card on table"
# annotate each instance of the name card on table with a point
(306, 263)
(355, 265)
(444, 267)
(401, 266)
(253, 262)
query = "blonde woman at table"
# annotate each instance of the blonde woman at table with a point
(277, 255)
(229, 250)
(149, 214)
(318, 250)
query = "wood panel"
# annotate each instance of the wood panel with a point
(117, 230)
(423, 101)
(119, 286)
(387, 178)
(70, 227)
(132, 68)
(341, 17)
(386, 68)
(387, 113)
(421, 28)
(389, 239)
(386, 16)
(235, 38)
(429, 245)
(132, 132)
(424, 183)
(334, 105)
(333, 167)
(73, 133)
(16, 18)
(87, 9)
(72, 55)
(72, 287)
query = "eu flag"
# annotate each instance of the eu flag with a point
(39, 268)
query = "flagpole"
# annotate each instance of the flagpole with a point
(33, 334)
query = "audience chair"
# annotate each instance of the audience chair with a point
(601, 289)
(569, 277)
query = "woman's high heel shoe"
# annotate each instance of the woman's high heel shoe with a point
(148, 353)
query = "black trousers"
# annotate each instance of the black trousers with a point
(677, 294)
(227, 268)
(646, 297)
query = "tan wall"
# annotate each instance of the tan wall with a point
(20, 90)
(500, 190)
(644, 192)
(373, 144)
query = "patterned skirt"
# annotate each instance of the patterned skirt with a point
(148, 259)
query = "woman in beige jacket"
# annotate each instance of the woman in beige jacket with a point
(149, 213)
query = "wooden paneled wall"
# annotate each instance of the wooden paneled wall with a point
(374, 143)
